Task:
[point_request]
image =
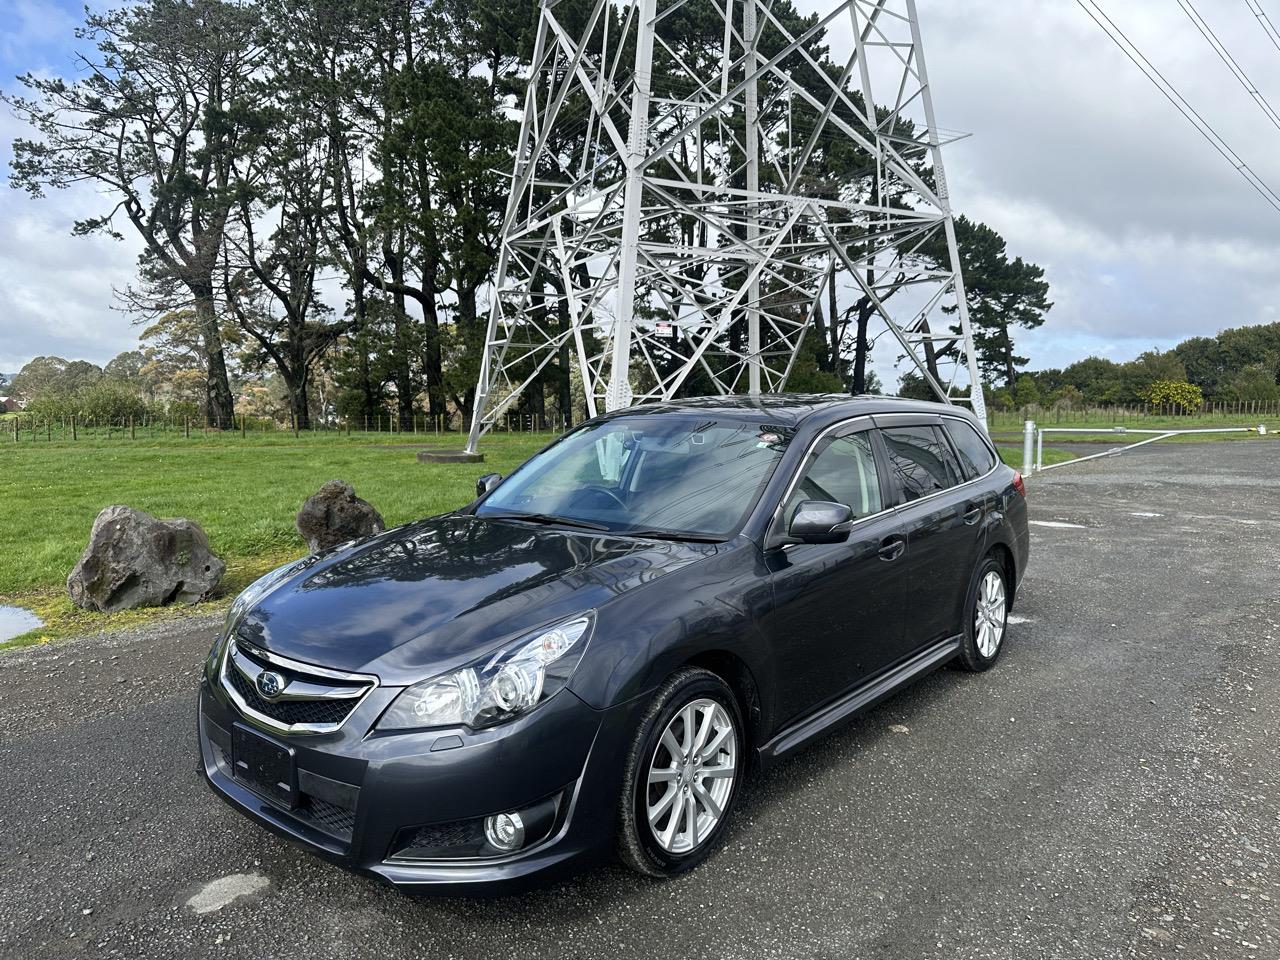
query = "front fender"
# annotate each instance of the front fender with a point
(646, 634)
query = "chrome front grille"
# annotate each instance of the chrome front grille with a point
(303, 699)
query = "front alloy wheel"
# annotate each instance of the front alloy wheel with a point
(682, 775)
(691, 776)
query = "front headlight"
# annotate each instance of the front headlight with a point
(497, 688)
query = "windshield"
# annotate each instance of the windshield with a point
(663, 474)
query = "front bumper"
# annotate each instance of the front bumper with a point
(361, 791)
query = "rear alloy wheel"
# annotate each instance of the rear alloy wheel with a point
(682, 775)
(988, 616)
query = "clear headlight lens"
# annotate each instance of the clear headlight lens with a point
(500, 687)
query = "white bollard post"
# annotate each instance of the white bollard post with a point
(1039, 450)
(1028, 441)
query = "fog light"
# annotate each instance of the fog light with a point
(505, 831)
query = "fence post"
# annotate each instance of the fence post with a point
(1028, 438)
(1039, 450)
(73, 427)
(133, 433)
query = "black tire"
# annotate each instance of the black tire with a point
(972, 655)
(638, 848)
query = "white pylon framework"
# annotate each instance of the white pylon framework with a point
(692, 187)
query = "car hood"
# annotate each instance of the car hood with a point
(431, 596)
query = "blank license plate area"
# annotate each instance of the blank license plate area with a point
(264, 767)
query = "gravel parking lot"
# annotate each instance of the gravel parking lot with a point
(1111, 789)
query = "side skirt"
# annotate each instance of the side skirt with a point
(857, 700)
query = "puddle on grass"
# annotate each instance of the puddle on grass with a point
(15, 620)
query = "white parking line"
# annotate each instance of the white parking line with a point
(222, 892)
(1059, 524)
(1143, 514)
(1015, 619)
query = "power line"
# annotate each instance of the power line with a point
(1131, 51)
(1265, 22)
(1206, 31)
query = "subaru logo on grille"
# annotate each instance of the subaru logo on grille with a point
(270, 684)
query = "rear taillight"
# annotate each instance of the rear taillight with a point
(1019, 485)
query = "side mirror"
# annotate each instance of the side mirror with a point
(487, 483)
(816, 521)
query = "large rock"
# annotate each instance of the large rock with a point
(334, 515)
(136, 560)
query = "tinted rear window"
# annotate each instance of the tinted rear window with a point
(921, 460)
(976, 457)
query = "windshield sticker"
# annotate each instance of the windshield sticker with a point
(773, 437)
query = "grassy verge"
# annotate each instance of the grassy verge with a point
(244, 493)
(1005, 428)
(1013, 455)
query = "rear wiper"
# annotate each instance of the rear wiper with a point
(547, 518)
(669, 535)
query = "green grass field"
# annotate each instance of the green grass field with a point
(245, 493)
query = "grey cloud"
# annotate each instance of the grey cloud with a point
(1147, 235)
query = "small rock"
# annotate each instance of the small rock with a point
(899, 728)
(334, 515)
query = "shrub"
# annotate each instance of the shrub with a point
(1186, 396)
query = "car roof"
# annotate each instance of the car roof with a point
(790, 409)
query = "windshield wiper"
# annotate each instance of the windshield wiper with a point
(547, 518)
(674, 535)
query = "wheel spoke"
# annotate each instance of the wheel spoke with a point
(663, 775)
(663, 805)
(691, 815)
(708, 801)
(690, 722)
(712, 773)
(704, 730)
(672, 744)
(668, 836)
(711, 749)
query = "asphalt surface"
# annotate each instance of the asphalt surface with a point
(1110, 789)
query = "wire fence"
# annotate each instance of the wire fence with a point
(24, 427)
(28, 428)
(1129, 413)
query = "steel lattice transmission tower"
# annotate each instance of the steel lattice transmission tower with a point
(693, 186)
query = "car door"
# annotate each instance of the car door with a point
(941, 524)
(837, 613)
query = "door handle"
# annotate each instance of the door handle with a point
(891, 548)
(973, 515)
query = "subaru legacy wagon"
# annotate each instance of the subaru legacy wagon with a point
(591, 656)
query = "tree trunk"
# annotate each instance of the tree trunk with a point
(473, 332)
(219, 404)
(1006, 349)
(298, 405)
(862, 346)
(360, 309)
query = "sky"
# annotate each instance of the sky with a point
(1146, 234)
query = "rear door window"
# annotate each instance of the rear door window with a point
(921, 461)
(976, 458)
